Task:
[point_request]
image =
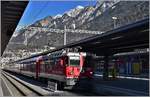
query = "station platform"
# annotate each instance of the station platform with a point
(123, 85)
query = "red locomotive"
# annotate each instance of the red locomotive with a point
(63, 66)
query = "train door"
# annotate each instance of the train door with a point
(38, 63)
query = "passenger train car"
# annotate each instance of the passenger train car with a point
(63, 66)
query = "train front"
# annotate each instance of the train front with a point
(74, 67)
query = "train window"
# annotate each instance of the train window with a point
(61, 62)
(74, 61)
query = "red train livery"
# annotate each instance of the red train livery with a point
(62, 66)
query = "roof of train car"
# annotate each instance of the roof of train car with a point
(34, 59)
(28, 60)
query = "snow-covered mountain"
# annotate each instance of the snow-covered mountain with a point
(76, 16)
(57, 16)
(74, 12)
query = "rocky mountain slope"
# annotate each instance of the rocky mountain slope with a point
(98, 17)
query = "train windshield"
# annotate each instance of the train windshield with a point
(74, 61)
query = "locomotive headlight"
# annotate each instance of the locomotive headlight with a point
(71, 72)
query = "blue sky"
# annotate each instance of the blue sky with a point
(36, 10)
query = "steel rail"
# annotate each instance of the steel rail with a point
(24, 89)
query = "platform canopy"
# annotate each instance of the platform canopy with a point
(11, 13)
(123, 39)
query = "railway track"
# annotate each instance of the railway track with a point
(23, 88)
(80, 91)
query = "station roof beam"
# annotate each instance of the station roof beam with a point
(11, 12)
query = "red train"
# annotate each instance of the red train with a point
(62, 66)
